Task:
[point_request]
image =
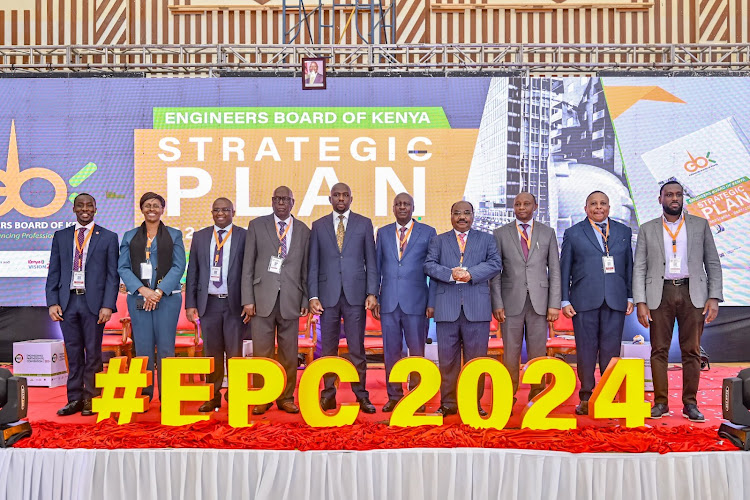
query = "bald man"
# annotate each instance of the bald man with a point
(343, 282)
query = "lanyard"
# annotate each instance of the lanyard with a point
(462, 247)
(85, 241)
(605, 237)
(219, 245)
(523, 236)
(402, 244)
(673, 235)
(282, 236)
(148, 246)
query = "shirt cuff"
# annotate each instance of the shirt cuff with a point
(564, 303)
(312, 298)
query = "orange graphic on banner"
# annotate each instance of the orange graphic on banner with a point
(621, 99)
(723, 205)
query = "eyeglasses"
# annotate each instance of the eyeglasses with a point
(225, 210)
(459, 214)
(282, 199)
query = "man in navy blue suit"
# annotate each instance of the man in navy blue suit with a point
(462, 262)
(213, 299)
(406, 302)
(81, 289)
(596, 265)
(343, 282)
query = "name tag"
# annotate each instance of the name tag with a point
(79, 280)
(274, 265)
(215, 273)
(675, 265)
(608, 263)
(147, 270)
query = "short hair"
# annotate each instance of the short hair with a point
(150, 196)
(661, 189)
(83, 194)
(465, 201)
(411, 198)
(221, 198)
(530, 194)
(596, 192)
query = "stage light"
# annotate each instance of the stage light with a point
(14, 397)
(735, 406)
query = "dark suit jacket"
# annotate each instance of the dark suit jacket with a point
(483, 262)
(403, 283)
(354, 269)
(199, 270)
(102, 282)
(584, 283)
(261, 287)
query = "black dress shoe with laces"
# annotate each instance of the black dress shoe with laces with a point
(71, 408)
(659, 410)
(691, 413)
(446, 410)
(87, 409)
(366, 406)
(390, 405)
(210, 405)
(328, 403)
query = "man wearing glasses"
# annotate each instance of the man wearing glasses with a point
(212, 291)
(462, 262)
(274, 289)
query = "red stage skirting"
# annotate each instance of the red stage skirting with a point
(281, 431)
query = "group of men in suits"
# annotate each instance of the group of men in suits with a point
(278, 270)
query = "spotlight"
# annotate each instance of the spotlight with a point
(735, 406)
(14, 398)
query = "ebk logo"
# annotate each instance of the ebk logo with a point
(54, 358)
(19, 358)
(696, 163)
(13, 178)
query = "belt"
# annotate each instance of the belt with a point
(219, 296)
(683, 281)
(77, 291)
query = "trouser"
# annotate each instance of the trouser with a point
(223, 332)
(398, 326)
(527, 324)
(83, 346)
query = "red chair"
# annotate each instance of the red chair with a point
(188, 340)
(495, 347)
(118, 330)
(373, 337)
(561, 337)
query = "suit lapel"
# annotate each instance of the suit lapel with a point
(271, 228)
(329, 229)
(412, 239)
(94, 239)
(689, 227)
(390, 239)
(233, 249)
(534, 238)
(350, 225)
(589, 231)
(453, 245)
(208, 259)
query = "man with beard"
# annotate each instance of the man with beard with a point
(676, 275)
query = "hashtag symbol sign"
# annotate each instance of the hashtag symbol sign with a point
(121, 389)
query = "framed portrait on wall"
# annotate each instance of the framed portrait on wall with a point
(313, 73)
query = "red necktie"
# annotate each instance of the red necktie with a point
(78, 259)
(524, 245)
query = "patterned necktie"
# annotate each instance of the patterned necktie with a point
(282, 225)
(78, 259)
(218, 262)
(603, 228)
(524, 245)
(462, 237)
(340, 233)
(402, 240)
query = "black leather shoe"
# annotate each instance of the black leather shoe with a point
(582, 408)
(390, 405)
(421, 409)
(659, 410)
(210, 405)
(482, 412)
(87, 411)
(288, 406)
(691, 413)
(446, 410)
(71, 408)
(261, 409)
(328, 403)
(366, 406)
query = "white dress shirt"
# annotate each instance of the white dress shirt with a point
(88, 228)
(221, 290)
(336, 220)
(407, 234)
(289, 224)
(529, 230)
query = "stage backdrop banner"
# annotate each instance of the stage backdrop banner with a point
(440, 139)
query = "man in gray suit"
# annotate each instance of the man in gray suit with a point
(526, 295)
(343, 281)
(274, 289)
(676, 275)
(212, 291)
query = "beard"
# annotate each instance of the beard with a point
(672, 211)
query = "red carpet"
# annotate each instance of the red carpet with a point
(288, 432)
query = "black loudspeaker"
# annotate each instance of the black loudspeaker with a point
(735, 407)
(14, 398)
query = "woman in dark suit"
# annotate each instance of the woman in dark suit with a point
(151, 265)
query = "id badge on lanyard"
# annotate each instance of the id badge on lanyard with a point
(274, 265)
(79, 279)
(608, 263)
(675, 265)
(215, 273)
(147, 270)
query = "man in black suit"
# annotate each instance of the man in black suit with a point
(212, 291)
(343, 282)
(82, 285)
(274, 289)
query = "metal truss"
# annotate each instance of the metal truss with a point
(364, 60)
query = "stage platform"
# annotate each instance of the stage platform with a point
(73, 457)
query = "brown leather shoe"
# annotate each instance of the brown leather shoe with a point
(288, 406)
(582, 408)
(261, 409)
(390, 405)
